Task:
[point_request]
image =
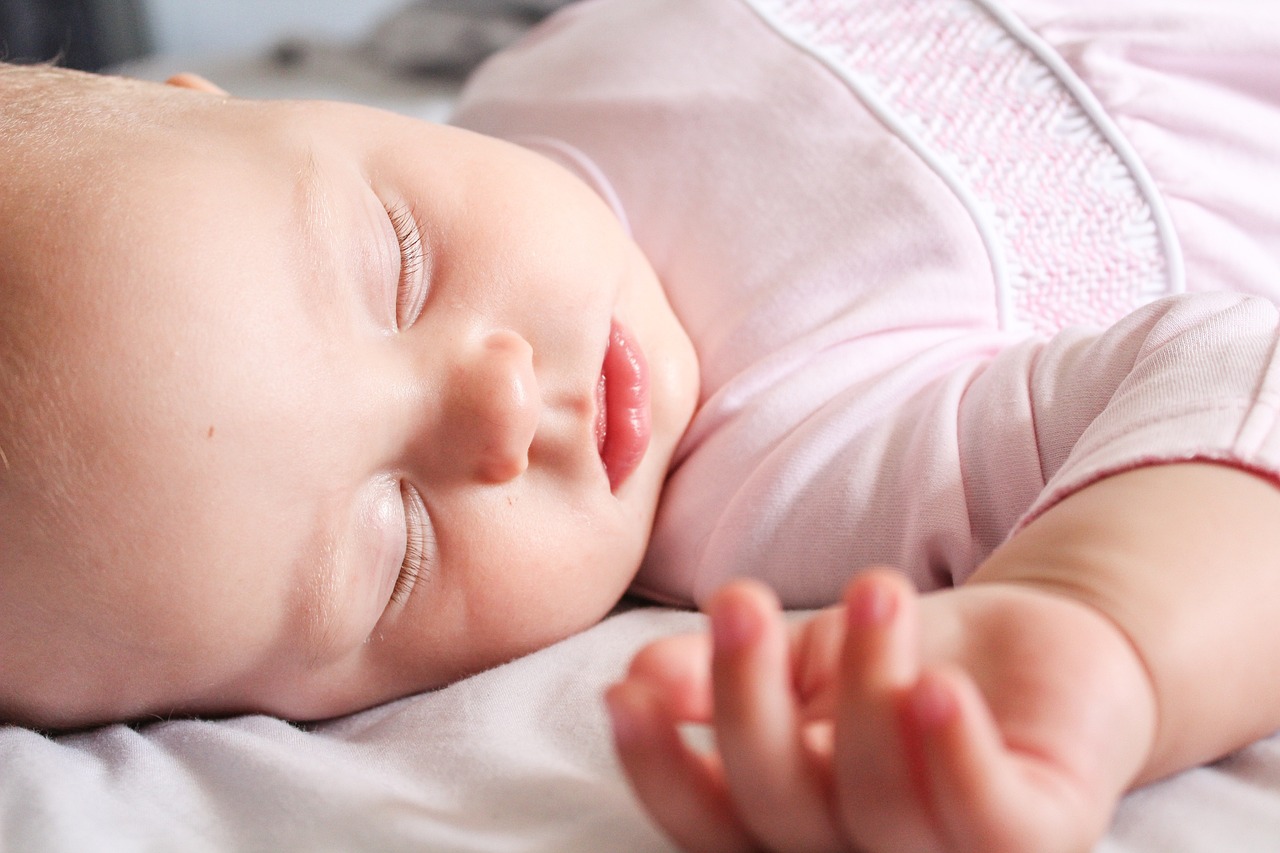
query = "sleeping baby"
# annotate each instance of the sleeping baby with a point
(743, 305)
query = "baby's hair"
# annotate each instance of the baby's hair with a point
(35, 103)
(75, 121)
(40, 103)
(47, 115)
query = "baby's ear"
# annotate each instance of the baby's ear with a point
(187, 80)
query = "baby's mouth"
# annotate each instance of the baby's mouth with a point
(622, 407)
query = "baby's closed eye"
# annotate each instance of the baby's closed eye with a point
(411, 285)
(418, 540)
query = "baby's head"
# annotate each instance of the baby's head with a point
(300, 404)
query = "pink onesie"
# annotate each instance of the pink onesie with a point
(944, 261)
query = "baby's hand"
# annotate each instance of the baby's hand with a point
(988, 718)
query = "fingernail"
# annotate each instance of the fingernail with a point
(932, 702)
(870, 605)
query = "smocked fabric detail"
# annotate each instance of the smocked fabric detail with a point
(1076, 230)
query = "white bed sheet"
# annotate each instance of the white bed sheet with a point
(514, 759)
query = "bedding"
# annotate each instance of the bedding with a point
(514, 759)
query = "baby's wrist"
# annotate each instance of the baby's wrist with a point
(1109, 667)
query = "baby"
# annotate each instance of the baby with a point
(307, 406)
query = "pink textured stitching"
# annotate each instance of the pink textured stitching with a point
(1078, 240)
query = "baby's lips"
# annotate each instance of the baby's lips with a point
(623, 395)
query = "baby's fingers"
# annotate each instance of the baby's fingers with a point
(683, 791)
(780, 792)
(876, 773)
(678, 668)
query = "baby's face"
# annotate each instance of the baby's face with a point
(342, 406)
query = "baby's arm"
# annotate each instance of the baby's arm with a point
(1185, 560)
(1125, 634)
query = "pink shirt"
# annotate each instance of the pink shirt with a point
(944, 261)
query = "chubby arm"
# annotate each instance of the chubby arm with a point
(1184, 560)
(1123, 635)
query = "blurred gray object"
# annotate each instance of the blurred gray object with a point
(86, 34)
(409, 57)
(451, 37)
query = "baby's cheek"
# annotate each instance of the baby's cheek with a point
(539, 610)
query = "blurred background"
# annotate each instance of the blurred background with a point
(406, 55)
(81, 33)
(95, 34)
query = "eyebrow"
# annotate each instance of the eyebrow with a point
(319, 214)
(321, 619)
(315, 217)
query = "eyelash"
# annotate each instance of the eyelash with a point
(408, 303)
(415, 553)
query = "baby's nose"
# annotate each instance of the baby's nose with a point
(497, 407)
